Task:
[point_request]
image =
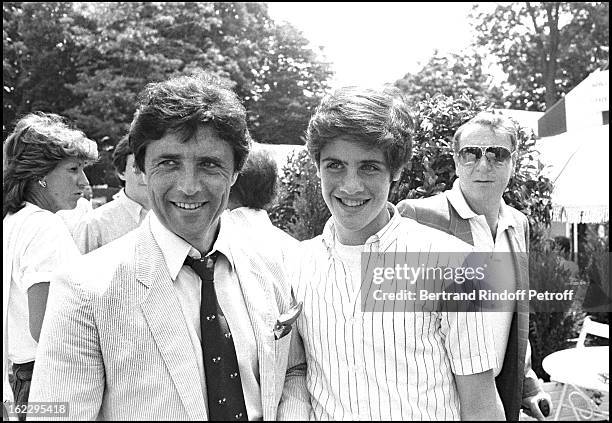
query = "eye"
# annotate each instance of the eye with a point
(334, 165)
(167, 163)
(370, 168)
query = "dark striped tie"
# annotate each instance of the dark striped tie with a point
(223, 386)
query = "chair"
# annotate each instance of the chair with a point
(589, 327)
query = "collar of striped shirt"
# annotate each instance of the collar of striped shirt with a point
(380, 241)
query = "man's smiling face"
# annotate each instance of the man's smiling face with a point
(188, 183)
(355, 183)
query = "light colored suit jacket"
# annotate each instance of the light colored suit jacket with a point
(517, 380)
(115, 343)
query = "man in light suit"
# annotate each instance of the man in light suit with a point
(474, 211)
(129, 329)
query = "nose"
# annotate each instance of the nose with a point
(82, 181)
(483, 164)
(351, 183)
(189, 181)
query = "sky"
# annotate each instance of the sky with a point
(375, 43)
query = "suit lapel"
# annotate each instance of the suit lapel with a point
(162, 311)
(258, 295)
(459, 227)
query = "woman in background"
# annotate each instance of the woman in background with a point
(42, 173)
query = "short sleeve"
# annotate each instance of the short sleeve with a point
(50, 246)
(469, 337)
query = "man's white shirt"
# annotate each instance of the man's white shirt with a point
(396, 365)
(504, 270)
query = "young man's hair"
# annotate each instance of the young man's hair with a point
(372, 117)
(120, 155)
(256, 184)
(182, 105)
(498, 123)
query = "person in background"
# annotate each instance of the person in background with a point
(42, 173)
(127, 210)
(176, 320)
(485, 152)
(367, 365)
(254, 189)
(88, 192)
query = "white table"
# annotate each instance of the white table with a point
(586, 367)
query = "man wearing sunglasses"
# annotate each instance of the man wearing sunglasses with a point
(474, 211)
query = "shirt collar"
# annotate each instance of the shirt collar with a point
(133, 208)
(380, 241)
(457, 199)
(175, 249)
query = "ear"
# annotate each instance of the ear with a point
(396, 176)
(121, 176)
(318, 172)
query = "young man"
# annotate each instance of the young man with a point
(127, 210)
(175, 320)
(474, 211)
(365, 365)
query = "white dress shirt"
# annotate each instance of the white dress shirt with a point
(390, 365)
(229, 294)
(108, 222)
(502, 265)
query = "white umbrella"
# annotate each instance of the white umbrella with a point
(579, 168)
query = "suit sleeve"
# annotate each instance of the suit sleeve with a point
(69, 366)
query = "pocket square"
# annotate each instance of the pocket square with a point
(285, 321)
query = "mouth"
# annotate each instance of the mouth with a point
(352, 203)
(188, 206)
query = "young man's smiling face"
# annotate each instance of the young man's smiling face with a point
(355, 182)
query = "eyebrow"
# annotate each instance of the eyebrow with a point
(369, 161)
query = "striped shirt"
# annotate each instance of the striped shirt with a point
(392, 365)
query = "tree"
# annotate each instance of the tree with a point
(452, 75)
(546, 49)
(39, 57)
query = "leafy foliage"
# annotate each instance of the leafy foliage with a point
(300, 209)
(453, 75)
(546, 48)
(550, 331)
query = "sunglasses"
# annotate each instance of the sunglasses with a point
(495, 154)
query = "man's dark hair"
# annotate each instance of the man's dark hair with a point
(184, 104)
(257, 182)
(372, 117)
(120, 155)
